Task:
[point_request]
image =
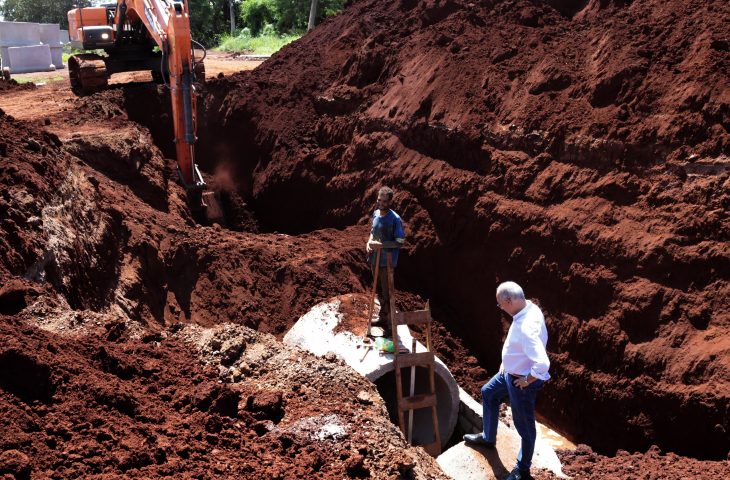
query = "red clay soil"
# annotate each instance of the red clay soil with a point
(100, 216)
(104, 404)
(13, 86)
(101, 264)
(580, 148)
(584, 464)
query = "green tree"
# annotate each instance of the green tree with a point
(293, 15)
(255, 14)
(287, 15)
(41, 11)
(209, 19)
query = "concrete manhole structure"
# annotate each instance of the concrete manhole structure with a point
(327, 329)
(321, 330)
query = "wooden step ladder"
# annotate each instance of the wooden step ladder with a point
(413, 360)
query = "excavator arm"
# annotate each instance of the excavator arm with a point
(168, 24)
(128, 32)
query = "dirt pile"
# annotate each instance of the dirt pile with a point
(105, 368)
(579, 148)
(584, 464)
(100, 217)
(87, 396)
(12, 85)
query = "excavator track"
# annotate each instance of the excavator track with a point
(87, 73)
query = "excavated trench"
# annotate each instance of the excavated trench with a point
(451, 264)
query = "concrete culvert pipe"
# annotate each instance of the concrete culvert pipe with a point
(338, 326)
(422, 428)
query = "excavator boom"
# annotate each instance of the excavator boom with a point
(151, 35)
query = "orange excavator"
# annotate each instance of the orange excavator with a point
(154, 36)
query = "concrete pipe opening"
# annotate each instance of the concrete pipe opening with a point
(327, 328)
(422, 425)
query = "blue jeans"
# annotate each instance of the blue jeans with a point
(522, 401)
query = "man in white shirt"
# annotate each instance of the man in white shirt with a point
(523, 371)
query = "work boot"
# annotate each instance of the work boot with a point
(478, 439)
(518, 474)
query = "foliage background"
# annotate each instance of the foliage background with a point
(209, 19)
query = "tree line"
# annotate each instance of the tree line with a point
(209, 19)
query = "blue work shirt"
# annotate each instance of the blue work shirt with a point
(386, 229)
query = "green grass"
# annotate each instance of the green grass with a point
(263, 45)
(30, 78)
(68, 51)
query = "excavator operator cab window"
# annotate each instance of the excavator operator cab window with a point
(111, 11)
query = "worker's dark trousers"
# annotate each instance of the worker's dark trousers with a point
(522, 401)
(383, 294)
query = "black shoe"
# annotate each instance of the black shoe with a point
(478, 439)
(518, 474)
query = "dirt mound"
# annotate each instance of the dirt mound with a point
(584, 464)
(106, 401)
(579, 148)
(102, 370)
(102, 220)
(12, 86)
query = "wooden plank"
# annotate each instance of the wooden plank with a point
(433, 448)
(435, 424)
(396, 341)
(416, 402)
(414, 359)
(419, 317)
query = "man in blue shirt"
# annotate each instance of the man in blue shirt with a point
(387, 227)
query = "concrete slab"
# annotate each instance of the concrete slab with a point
(36, 58)
(465, 462)
(19, 34)
(31, 36)
(49, 34)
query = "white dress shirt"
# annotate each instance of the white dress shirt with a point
(523, 351)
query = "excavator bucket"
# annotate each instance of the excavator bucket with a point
(212, 207)
(87, 73)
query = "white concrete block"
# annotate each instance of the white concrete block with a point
(35, 58)
(19, 34)
(49, 33)
(57, 57)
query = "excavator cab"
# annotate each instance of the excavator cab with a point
(133, 38)
(90, 28)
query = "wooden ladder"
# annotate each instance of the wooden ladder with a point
(413, 360)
